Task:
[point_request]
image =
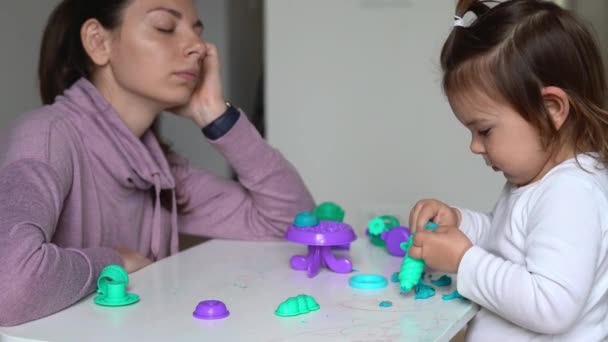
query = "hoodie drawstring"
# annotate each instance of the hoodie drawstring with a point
(156, 224)
(174, 243)
(157, 228)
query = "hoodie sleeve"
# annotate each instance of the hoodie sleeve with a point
(260, 206)
(37, 277)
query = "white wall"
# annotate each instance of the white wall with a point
(21, 26)
(354, 101)
(595, 12)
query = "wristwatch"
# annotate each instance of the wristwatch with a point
(220, 126)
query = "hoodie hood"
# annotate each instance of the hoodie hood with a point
(136, 163)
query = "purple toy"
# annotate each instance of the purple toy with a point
(211, 309)
(393, 239)
(320, 238)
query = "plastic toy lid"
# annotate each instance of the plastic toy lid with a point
(368, 281)
(211, 309)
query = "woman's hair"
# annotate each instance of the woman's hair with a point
(63, 59)
(513, 49)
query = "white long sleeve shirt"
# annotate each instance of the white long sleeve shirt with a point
(538, 267)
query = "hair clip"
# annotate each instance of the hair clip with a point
(458, 21)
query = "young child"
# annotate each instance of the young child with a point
(526, 78)
(84, 180)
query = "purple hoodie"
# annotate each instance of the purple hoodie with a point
(76, 182)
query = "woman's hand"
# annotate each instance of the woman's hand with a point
(207, 102)
(132, 260)
(433, 210)
(441, 249)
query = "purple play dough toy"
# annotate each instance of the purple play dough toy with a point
(393, 239)
(319, 239)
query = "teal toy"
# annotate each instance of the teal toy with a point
(298, 305)
(112, 287)
(305, 219)
(368, 282)
(453, 295)
(444, 280)
(423, 290)
(412, 269)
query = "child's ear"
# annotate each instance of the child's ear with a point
(557, 104)
(96, 41)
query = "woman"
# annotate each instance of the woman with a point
(85, 181)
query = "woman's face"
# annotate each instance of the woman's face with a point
(155, 54)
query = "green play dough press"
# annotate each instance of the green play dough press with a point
(112, 287)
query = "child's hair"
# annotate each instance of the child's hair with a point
(512, 50)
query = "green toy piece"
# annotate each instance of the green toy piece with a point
(112, 287)
(329, 211)
(116, 295)
(412, 269)
(111, 273)
(378, 225)
(305, 219)
(298, 305)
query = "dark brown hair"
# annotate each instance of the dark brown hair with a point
(512, 50)
(63, 59)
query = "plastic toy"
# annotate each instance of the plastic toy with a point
(367, 282)
(298, 305)
(378, 225)
(394, 238)
(112, 287)
(412, 269)
(320, 238)
(211, 309)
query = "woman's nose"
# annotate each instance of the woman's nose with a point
(196, 47)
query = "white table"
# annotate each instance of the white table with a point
(253, 278)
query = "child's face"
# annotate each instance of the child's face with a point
(507, 142)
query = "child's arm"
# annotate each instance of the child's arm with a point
(546, 291)
(37, 277)
(475, 225)
(261, 206)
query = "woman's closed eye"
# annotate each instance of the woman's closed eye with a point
(166, 29)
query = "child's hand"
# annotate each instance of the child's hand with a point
(132, 260)
(441, 249)
(433, 210)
